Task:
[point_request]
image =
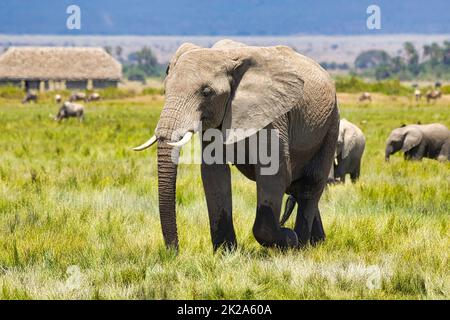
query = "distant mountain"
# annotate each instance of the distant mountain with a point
(223, 17)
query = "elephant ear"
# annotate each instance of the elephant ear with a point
(412, 139)
(349, 142)
(185, 47)
(266, 83)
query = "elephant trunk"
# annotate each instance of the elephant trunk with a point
(167, 176)
(173, 119)
(388, 153)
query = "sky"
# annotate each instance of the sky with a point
(223, 17)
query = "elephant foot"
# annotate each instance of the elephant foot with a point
(288, 238)
(226, 245)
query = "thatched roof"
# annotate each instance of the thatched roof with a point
(58, 63)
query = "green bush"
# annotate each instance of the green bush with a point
(354, 84)
(11, 92)
(445, 89)
(153, 91)
(116, 93)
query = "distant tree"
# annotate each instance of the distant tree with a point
(397, 64)
(371, 59)
(145, 61)
(119, 51)
(383, 72)
(446, 54)
(412, 58)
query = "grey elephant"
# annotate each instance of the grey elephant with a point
(241, 90)
(349, 150)
(70, 109)
(420, 141)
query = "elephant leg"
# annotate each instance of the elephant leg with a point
(444, 154)
(355, 173)
(416, 153)
(217, 185)
(317, 232)
(267, 229)
(309, 189)
(340, 172)
(308, 224)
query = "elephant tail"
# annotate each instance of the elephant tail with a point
(288, 208)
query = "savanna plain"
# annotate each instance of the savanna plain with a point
(79, 215)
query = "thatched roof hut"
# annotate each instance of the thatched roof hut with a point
(76, 65)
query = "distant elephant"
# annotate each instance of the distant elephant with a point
(232, 86)
(30, 96)
(365, 96)
(93, 97)
(70, 109)
(433, 95)
(419, 141)
(77, 96)
(349, 150)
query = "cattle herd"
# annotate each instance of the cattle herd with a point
(69, 108)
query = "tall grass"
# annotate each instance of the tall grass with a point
(79, 217)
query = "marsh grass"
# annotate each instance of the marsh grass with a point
(79, 216)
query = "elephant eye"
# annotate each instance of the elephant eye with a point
(207, 91)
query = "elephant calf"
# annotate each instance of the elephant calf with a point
(70, 109)
(349, 150)
(419, 141)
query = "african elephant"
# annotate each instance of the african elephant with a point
(419, 141)
(70, 109)
(349, 150)
(241, 90)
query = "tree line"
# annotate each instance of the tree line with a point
(430, 63)
(138, 65)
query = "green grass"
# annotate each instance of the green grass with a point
(79, 217)
(353, 84)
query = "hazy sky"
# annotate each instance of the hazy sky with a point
(222, 17)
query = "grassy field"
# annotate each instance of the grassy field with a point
(79, 215)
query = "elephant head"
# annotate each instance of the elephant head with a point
(403, 139)
(223, 87)
(346, 139)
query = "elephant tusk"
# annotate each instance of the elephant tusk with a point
(335, 161)
(183, 141)
(146, 145)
